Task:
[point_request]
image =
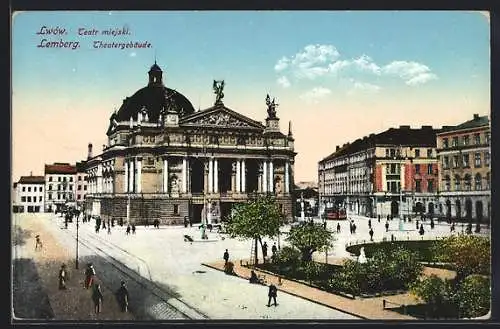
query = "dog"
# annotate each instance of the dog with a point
(38, 244)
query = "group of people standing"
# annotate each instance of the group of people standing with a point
(90, 282)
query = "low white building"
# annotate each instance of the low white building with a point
(29, 194)
(60, 185)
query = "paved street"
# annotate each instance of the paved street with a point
(164, 264)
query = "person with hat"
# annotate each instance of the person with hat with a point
(122, 295)
(63, 276)
(89, 275)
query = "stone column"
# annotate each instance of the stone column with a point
(138, 180)
(216, 176)
(184, 175)
(271, 176)
(287, 178)
(265, 178)
(238, 176)
(132, 175)
(165, 175)
(210, 176)
(243, 176)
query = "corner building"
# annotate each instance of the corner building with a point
(166, 161)
(465, 170)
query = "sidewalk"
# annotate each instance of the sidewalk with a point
(367, 308)
(75, 303)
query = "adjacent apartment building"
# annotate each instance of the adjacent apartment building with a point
(464, 170)
(391, 173)
(29, 194)
(59, 185)
(81, 185)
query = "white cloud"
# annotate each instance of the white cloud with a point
(282, 64)
(414, 73)
(315, 95)
(133, 54)
(365, 63)
(283, 81)
(363, 87)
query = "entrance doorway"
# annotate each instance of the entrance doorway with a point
(394, 208)
(448, 209)
(479, 211)
(468, 210)
(196, 210)
(197, 175)
(458, 209)
(431, 209)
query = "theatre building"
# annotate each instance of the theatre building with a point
(164, 160)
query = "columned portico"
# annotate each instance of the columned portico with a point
(216, 176)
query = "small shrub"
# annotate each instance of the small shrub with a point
(474, 296)
(287, 256)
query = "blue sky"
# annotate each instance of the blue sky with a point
(329, 65)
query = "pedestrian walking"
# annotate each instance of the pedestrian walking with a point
(63, 276)
(350, 227)
(133, 228)
(432, 224)
(421, 231)
(109, 229)
(226, 256)
(264, 250)
(273, 292)
(89, 275)
(369, 223)
(274, 249)
(371, 234)
(388, 218)
(416, 224)
(354, 228)
(338, 227)
(123, 297)
(128, 230)
(38, 243)
(379, 218)
(387, 226)
(452, 227)
(97, 297)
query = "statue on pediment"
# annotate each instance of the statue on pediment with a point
(221, 119)
(218, 87)
(271, 107)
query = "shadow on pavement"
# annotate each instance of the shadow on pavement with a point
(30, 301)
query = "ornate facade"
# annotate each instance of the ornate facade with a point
(165, 161)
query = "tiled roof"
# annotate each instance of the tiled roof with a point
(60, 168)
(476, 121)
(402, 136)
(32, 180)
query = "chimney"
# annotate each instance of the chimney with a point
(89, 156)
(476, 116)
(337, 148)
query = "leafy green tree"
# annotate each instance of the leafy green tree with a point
(255, 219)
(469, 253)
(438, 294)
(474, 296)
(288, 256)
(310, 237)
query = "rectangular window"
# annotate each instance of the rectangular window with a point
(50, 178)
(40, 198)
(24, 188)
(477, 139)
(446, 162)
(79, 197)
(388, 186)
(59, 178)
(417, 169)
(429, 153)
(465, 140)
(50, 196)
(176, 209)
(71, 187)
(486, 158)
(418, 185)
(465, 161)
(29, 188)
(151, 161)
(40, 189)
(445, 143)
(430, 185)
(79, 178)
(393, 153)
(417, 153)
(71, 179)
(23, 199)
(455, 161)
(477, 160)
(79, 187)
(85, 187)
(454, 141)
(429, 169)
(65, 179)
(58, 196)
(29, 199)
(487, 138)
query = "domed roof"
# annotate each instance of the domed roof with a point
(155, 98)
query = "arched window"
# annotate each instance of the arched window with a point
(467, 182)
(447, 183)
(457, 183)
(477, 182)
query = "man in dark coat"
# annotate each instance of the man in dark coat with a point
(273, 292)
(264, 250)
(63, 276)
(123, 298)
(226, 256)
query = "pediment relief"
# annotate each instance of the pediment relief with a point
(222, 119)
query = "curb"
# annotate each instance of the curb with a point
(302, 297)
